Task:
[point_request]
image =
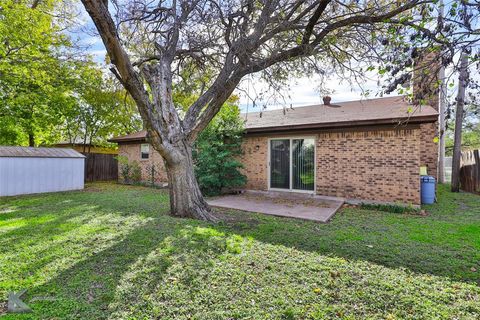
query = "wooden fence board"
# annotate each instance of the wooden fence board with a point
(100, 167)
(470, 171)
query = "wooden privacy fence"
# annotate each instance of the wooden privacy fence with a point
(470, 171)
(100, 167)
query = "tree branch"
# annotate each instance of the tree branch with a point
(313, 20)
(306, 49)
(132, 82)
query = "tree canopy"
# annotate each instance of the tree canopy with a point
(101, 109)
(31, 82)
(45, 84)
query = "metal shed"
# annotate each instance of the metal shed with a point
(25, 170)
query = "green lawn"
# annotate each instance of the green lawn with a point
(112, 251)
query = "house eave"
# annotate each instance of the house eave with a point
(314, 126)
(343, 124)
(132, 140)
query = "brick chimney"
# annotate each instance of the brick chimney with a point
(425, 78)
(426, 89)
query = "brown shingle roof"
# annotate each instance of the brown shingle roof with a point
(390, 110)
(137, 136)
(13, 152)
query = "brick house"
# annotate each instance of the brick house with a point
(365, 150)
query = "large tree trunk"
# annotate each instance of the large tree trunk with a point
(168, 134)
(457, 144)
(186, 199)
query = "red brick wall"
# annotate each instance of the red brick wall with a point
(132, 152)
(370, 165)
(425, 79)
(255, 162)
(381, 165)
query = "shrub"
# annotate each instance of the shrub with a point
(393, 208)
(216, 153)
(135, 172)
(130, 172)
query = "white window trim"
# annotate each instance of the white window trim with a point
(149, 153)
(314, 191)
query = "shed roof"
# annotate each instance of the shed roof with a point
(379, 111)
(13, 152)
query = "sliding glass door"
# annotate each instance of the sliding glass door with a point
(280, 164)
(292, 164)
(303, 164)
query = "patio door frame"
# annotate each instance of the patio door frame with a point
(290, 139)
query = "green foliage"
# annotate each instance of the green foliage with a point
(135, 172)
(102, 109)
(217, 150)
(34, 78)
(470, 139)
(218, 146)
(112, 251)
(48, 91)
(389, 208)
(130, 171)
(124, 168)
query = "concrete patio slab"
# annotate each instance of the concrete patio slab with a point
(283, 204)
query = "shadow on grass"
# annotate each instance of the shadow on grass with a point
(170, 262)
(34, 218)
(85, 290)
(445, 243)
(41, 235)
(123, 276)
(108, 252)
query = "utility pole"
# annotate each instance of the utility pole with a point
(441, 111)
(457, 144)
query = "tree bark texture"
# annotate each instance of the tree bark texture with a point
(186, 199)
(457, 144)
(441, 128)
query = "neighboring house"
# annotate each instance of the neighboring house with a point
(366, 150)
(136, 148)
(85, 148)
